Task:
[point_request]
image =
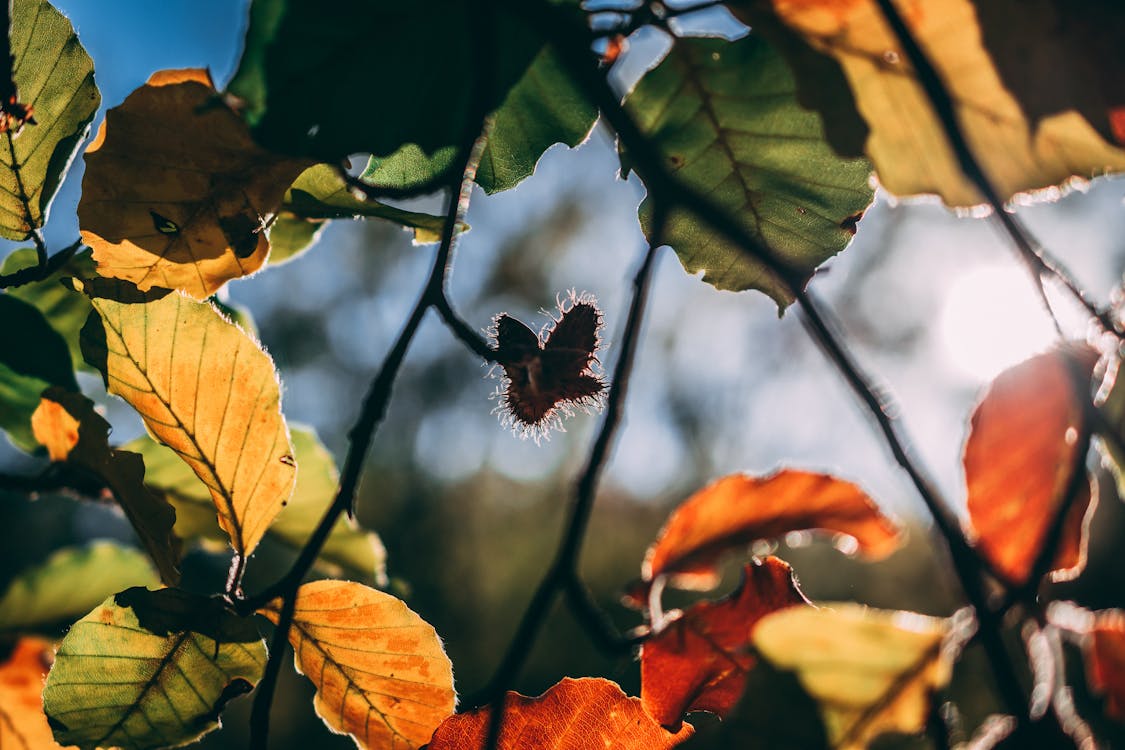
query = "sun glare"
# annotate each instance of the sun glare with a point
(991, 319)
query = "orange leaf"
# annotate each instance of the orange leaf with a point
(737, 510)
(176, 192)
(700, 661)
(22, 721)
(380, 672)
(572, 715)
(55, 428)
(1019, 457)
(1105, 661)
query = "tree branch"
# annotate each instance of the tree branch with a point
(41, 270)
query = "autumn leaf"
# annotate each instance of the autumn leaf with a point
(205, 389)
(150, 669)
(1105, 661)
(700, 661)
(572, 715)
(1019, 457)
(23, 725)
(176, 193)
(1024, 127)
(871, 671)
(736, 510)
(74, 432)
(380, 671)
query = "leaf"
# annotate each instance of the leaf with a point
(738, 509)
(1105, 661)
(380, 672)
(1017, 96)
(64, 309)
(56, 77)
(726, 118)
(176, 194)
(23, 724)
(573, 715)
(700, 661)
(19, 397)
(321, 103)
(70, 583)
(206, 390)
(348, 548)
(872, 671)
(318, 195)
(1019, 457)
(73, 432)
(150, 669)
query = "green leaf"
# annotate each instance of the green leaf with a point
(19, 397)
(318, 195)
(70, 583)
(348, 548)
(65, 309)
(56, 77)
(150, 669)
(725, 116)
(326, 80)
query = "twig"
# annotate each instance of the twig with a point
(1039, 262)
(42, 270)
(562, 575)
(371, 192)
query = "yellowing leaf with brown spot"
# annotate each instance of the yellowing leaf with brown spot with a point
(55, 428)
(23, 725)
(205, 389)
(176, 193)
(380, 672)
(1018, 97)
(871, 671)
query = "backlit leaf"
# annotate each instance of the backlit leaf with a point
(380, 672)
(736, 510)
(700, 661)
(726, 118)
(70, 583)
(176, 193)
(1017, 95)
(348, 548)
(1019, 457)
(56, 77)
(23, 725)
(871, 671)
(572, 715)
(150, 669)
(75, 433)
(1105, 661)
(206, 390)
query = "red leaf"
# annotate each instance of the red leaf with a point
(572, 715)
(700, 661)
(1021, 452)
(1105, 661)
(737, 510)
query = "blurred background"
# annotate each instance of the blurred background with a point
(932, 304)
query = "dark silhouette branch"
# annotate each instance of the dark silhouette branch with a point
(42, 270)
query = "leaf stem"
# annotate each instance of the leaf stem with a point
(42, 270)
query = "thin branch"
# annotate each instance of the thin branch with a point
(40, 271)
(1039, 262)
(432, 184)
(463, 331)
(562, 576)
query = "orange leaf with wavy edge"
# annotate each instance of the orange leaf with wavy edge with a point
(573, 715)
(1020, 454)
(176, 193)
(699, 662)
(380, 672)
(23, 724)
(1105, 661)
(738, 509)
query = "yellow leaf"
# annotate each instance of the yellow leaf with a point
(55, 428)
(871, 671)
(907, 142)
(206, 390)
(176, 193)
(380, 671)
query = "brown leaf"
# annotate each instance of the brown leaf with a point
(1019, 457)
(23, 725)
(737, 510)
(380, 672)
(176, 193)
(1105, 661)
(572, 715)
(700, 661)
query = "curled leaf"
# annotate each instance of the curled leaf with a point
(738, 509)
